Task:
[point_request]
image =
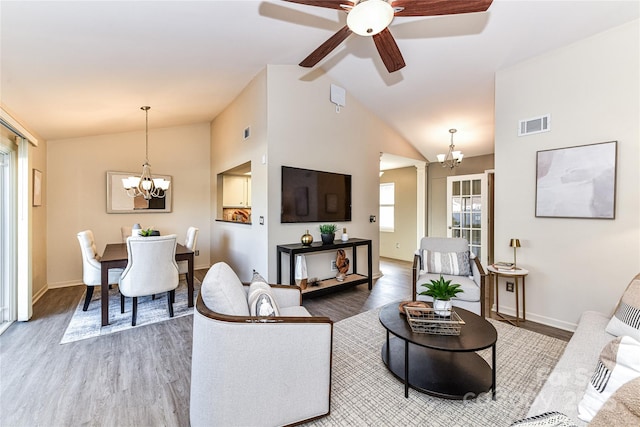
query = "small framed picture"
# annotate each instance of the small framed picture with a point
(37, 187)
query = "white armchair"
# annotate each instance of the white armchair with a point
(472, 281)
(190, 242)
(91, 269)
(256, 371)
(151, 269)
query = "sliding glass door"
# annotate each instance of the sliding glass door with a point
(8, 235)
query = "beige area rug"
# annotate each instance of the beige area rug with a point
(365, 393)
(87, 324)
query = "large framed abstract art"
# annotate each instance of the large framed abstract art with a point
(577, 182)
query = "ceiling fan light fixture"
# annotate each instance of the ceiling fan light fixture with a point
(370, 17)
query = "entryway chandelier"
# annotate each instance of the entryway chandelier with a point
(146, 186)
(453, 158)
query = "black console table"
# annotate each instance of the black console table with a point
(323, 286)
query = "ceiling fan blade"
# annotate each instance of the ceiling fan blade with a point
(439, 7)
(326, 47)
(388, 50)
(329, 4)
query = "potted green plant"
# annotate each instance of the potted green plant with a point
(146, 233)
(441, 291)
(328, 233)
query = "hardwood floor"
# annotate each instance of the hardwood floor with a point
(139, 377)
(394, 285)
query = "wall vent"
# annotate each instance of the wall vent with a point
(535, 125)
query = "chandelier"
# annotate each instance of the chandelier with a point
(146, 186)
(453, 158)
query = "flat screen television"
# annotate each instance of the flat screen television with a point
(315, 196)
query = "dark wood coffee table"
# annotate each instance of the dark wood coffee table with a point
(444, 366)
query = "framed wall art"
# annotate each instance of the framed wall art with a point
(577, 182)
(37, 188)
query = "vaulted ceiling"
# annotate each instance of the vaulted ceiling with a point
(80, 68)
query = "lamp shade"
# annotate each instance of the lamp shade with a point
(370, 17)
(514, 243)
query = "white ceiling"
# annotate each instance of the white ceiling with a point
(80, 68)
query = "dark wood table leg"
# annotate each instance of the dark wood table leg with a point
(493, 371)
(406, 368)
(370, 265)
(190, 281)
(104, 293)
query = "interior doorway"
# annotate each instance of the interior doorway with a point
(402, 214)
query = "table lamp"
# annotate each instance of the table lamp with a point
(514, 243)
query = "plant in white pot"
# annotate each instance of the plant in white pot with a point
(441, 291)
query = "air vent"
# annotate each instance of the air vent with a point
(535, 125)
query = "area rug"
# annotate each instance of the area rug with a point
(86, 324)
(365, 393)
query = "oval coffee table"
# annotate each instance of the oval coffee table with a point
(444, 366)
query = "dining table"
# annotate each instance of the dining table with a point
(115, 256)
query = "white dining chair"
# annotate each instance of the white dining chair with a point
(151, 269)
(91, 268)
(190, 243)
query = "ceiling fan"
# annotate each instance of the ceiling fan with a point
(372, 18)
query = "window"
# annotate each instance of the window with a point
(387, 206)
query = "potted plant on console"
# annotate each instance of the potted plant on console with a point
(328, 233)
(441, 291)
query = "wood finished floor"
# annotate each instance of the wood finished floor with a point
(139, 377)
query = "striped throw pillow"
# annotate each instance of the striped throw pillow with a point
(626, 319)
(619, 363)
(452, 263)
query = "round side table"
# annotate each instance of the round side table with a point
(515, 274)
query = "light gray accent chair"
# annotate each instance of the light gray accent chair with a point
(151, 269)
(256, 371)
(191, 242)
(91, 268)
(473, 296)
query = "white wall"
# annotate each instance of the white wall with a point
(591, 89)
(242, 246)
(76, 191)
(291, 105)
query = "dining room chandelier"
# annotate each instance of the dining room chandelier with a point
(453, 158)
(146, 186)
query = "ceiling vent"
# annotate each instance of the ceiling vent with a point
(535, 125)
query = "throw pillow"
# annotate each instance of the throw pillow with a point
(257, 277)
(262, 301)
(453, 263)
(223, 292)
(626, 319)
(621, 409)
(619, 363)
(548, 419)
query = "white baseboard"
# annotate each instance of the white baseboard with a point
(64, 284)
(543, 320)
(39, 294)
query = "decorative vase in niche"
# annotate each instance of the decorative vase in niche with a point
(306, 238)
(442, 307)
(327, 239)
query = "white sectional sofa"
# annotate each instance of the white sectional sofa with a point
(598, 375)
(568, 381)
